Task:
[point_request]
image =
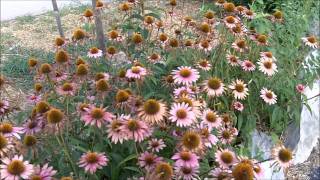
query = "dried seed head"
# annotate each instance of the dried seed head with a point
(45, 68)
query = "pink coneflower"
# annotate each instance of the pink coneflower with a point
(96, 116)
(221, 173)
(191, 102)
(91, 161)
(219, 3)
(136, 72)
(227, 135)
(6, 145)
(114, 131)
(185, 158)
(239, 89)
(225, 158)
(204, 64)
(311, 41)
(205, 45)
(231, 21)
(186, 172)
(247, 65)
(213, 87)
(4, 106)
(94, 53)
(208, 139)
(238, 30)
(268, 96)
(267, 55)
(10, 131)
(156, 145)
(233, 60)
(155, 58)
(258, 171)
(249, 14)
(241, 9)
(282, 155)
(238, 106)
(67, 89)
(185, 75)
(31, 127)
(267, 66)
(135, 129)
(148, 160)
(15, 168)
(183, 91)
(33, 98)
(300, 88)
(59, 76)
(182, 114)
(240, 45)
(210, 119)
(152, 111)
(43, 173)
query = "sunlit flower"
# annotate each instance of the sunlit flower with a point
(185, 75)
(238, 106)
(311, 41)
(204, 64)
(8, 130)
(114, 131)
(92, 161)
(239, 89)
(191, 102)
(15, 168)
(182, 114)
(210, 119)
(152, 111)
(183, 91)
(136, 72)
(268, 96)
(233, 60)
(300, 88)
(247, 65)
(94, 53)
(225, 158)
(282, 155)
(67, 89)
(96, 116)
(45, 172)
(185, 158)
(186, 172)
(267, 66)
(155, 145)
(213, 87)
(148, 160)
(135, 129)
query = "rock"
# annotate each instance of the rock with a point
(315, 174)
(292, 135)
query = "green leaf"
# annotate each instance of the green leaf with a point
(129, 158)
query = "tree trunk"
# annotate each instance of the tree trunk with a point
(99, 27)
(58, 19)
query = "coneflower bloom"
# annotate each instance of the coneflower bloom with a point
(300, 88)
(8, 130)
(114, 131)
(191, 140)
(59, 76)
(92, 161)
(191, 102)
(156, 145)
(4, 106)
(239, 89)
(240, 45)
(186, 172)
(267, 55)
(225, 158)
(32, 127)
(155, 58)
(6, 146)
(135, 129)
(185, 158)
(262, 40)
(243, 170)
(204, 64)
(219, 3)
(311, 41)
(267, 66)
(233, 60)
(268, 96)
(231, 21)
(205, 45)
(152, 111)
(227, 135)
(15, 168)
(45, 172)
(238, 30)
(238, 106)
(240, 9)
(163, 171)
(67, 89)
(249, 14)
(181, 114)
(96, 116)
(220, 173)
(247, 65)
(258, 171)
(213, 87)
(185, 75)
(148, 160)
(33, 98)
(210, 119)
(136, 72)
(282, 155)
(94, 53)
(183, 91)
(207, 138)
